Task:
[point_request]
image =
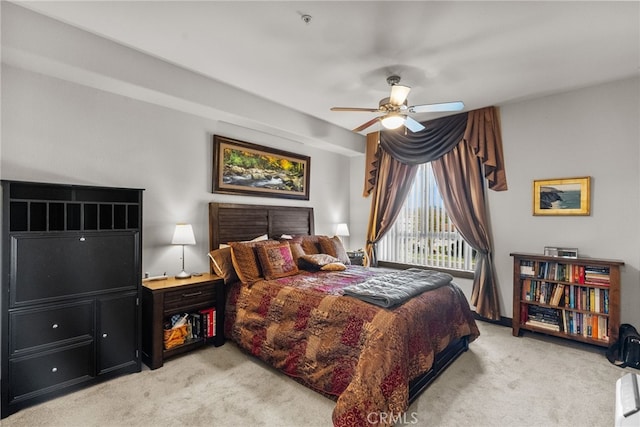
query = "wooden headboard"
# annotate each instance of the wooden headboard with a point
(230, 222)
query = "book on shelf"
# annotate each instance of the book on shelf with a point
(196, 325)
(526, 290)
(208, 322)
(524, 313)
(527, 268)
(543, 325)
(558, 293)
(578, 274)
(543, 317)
(597, 275)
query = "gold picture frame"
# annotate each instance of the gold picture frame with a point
(564, 196)
(254, 170)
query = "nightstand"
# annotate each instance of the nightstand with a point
(162, 299)
(356, 257)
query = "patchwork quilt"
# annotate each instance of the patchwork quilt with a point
(361, 354)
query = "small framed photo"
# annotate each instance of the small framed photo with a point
(568, 252)
(561, 252)
(564, 196)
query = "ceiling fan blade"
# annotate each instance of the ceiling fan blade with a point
(368, 110)
(399, 94)
(434, 108)
(413, 125)
(366, 125)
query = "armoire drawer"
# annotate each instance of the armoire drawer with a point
(191, 297)
(48, 370)
(31, 329)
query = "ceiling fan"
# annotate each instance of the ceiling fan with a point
(396, 111)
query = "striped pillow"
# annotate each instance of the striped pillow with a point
(245, 260)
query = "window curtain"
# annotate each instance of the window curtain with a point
(392, 184)
(390, 171)
(463, 148)
(459, 177)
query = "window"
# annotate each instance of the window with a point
(423, 234)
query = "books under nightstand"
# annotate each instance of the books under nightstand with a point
(574, 298)
(180, 315)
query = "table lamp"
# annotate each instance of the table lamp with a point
(342, 230)
(183, 235)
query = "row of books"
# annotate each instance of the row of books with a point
(569, 296)
(208, 321)
(585, 324)
(201, 324)
(559, 320)
(588, 299)
(542, 292)
(572, 273)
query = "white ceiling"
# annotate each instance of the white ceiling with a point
(482, 53)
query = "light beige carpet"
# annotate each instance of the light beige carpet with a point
(500, 381)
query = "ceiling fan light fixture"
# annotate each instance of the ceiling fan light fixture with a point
(395, 109)
(392, 121)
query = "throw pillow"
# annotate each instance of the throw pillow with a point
(334, 266)
(316, 261)
(223, 265)
(276, 261)
(245, 260)
(334, 247)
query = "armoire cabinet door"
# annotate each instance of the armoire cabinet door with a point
(117, 336)
(50, 267)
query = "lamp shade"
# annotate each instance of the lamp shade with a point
(342, 229)
(183, 235)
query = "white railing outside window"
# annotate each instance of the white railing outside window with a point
(423, 233)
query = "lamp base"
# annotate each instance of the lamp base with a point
(183, 275)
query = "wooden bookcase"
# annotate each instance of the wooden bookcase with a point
(573, 298)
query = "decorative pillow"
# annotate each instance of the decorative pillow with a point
(296, 251)
(276, 261)
(316, 261)
(245, 260)
(333, 246)
(223, 264)
(256, 239)
(309, 244)
(333, 266)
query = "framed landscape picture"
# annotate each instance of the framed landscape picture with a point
(565, 196)
(244, 168)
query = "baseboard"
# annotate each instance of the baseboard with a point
(504, 321)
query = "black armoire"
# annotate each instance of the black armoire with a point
(71, 283)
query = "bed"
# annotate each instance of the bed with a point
(371, 360)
